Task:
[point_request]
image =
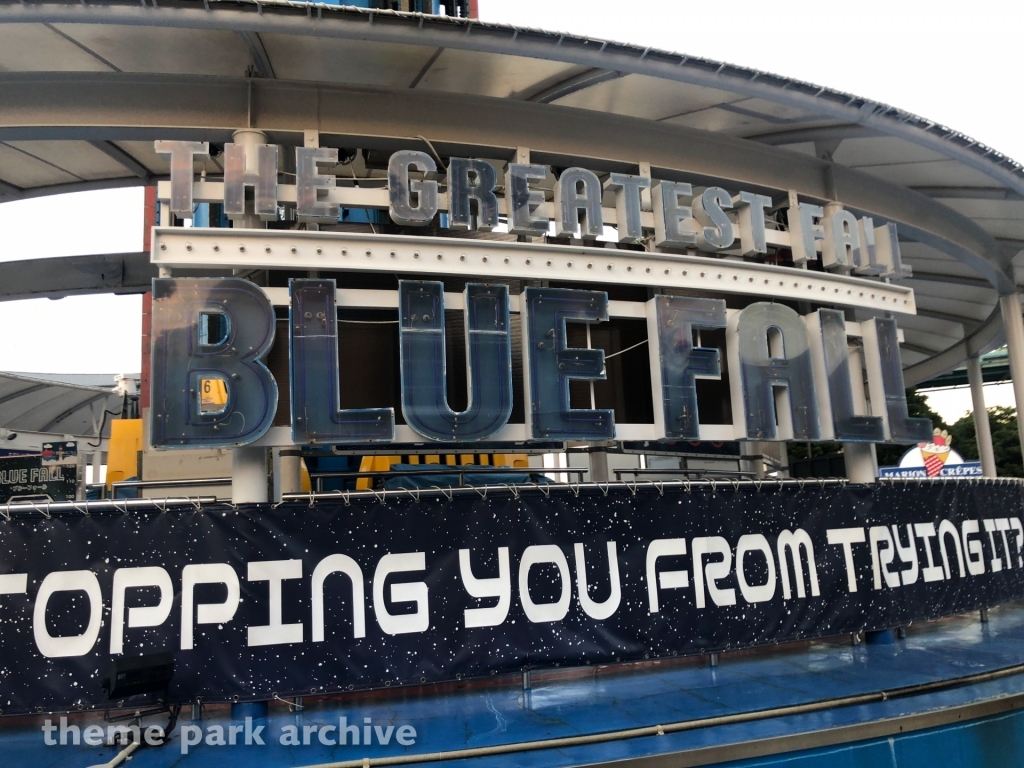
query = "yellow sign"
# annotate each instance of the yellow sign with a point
(213, 395)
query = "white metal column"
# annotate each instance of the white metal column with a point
(599, 465)
(249, 470)
(97, 463)
(250, 139)
(861, 458)
(249, 480)
(1013, 325)
(861, 462)
(291, 471)
(981, 425)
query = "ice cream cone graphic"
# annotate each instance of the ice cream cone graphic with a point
(936, 452)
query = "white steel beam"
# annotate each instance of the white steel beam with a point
(280, 437)
(1013, 325)
(982, 429)
(403, 254)
(139, 107)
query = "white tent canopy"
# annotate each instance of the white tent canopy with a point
(40, 404)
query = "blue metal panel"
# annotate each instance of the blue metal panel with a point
(359, 216)
(201, 216)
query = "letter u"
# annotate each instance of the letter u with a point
(488, 361)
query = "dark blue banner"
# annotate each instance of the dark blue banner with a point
(306, 599)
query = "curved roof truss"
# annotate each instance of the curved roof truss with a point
(89, 84)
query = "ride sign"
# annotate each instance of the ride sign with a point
(793, 379)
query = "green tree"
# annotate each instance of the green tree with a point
(1005, 442)
(796, 451)
(890, 455)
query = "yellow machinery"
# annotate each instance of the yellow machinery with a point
(123, 450)
(126, 443)
(383, 463)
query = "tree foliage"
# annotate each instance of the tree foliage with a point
(1002, 421)
(1005, 441)
(796, 451)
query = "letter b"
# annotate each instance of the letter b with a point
(209, 387)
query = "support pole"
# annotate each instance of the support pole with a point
(982, 429)
(250, 139)
(861, 464)
(249, 471)
(754, 466)
(81, 489)
(599, 465)
(1013, 325)
(291, 470)
(249, 476)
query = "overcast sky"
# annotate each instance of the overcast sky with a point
(945, 61)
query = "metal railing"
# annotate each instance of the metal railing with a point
(461, 470)
(186, 483)
(703, 472)
(646, 486)
(199, 503)
(50, 509)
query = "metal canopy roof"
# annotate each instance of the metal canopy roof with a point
(995, 368)
(37, 404)
(88, 84)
